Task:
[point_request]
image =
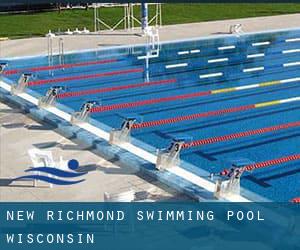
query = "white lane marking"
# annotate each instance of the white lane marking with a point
(186, 52)
(226, 47)
(183, 52)
(218, 60)
(256, 55)
(247, 87)
(179, 65)
(291, 64)
(292, 40)
(195, 51)
(290, 80)
(261, 43)
(290, 99)
(290, 51)
(147, 56)
(253, 69)
(211, 75)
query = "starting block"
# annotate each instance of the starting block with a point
(22, 84)
(225, 188)
(122, 135)
(231, 185)
(170, 157)
(84, 113)
(50, 97)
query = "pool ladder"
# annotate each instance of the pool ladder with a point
(61, 53)
(50, 53)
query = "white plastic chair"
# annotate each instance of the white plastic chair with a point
(50, 34)
(85, 31)
(69, 32)
(236, 29)
(40, 158)
(77, 31)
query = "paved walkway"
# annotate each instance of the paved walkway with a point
(35, 46)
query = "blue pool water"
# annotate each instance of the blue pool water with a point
(237, 61)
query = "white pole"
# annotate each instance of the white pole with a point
(144, 14)
(95, 18)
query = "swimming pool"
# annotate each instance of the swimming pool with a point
(232, 98)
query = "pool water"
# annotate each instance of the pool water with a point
(193, 77)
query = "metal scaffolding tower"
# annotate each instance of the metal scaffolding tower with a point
(129, 20)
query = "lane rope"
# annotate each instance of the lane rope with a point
(269, 163)
(188, 96)
(111, 89)
(65, 66)
(160, 122)
(264, 164)
(240, 135)
(191, 117)
(296, 200)
(147, 102)
(80, 77)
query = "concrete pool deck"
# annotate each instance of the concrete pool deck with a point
(38, 45)
(108, 177)
(19, 133)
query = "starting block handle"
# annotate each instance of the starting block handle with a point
(127, 123)
(3, 65)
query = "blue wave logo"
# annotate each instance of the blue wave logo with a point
(73, 165)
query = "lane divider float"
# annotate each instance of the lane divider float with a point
(116, 88)
(81, 77)
(265, 164)
(296, 200)
(161, 122)
(188, 96)
(65, 66)
(234, 136)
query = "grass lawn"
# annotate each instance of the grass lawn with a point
(25, 25)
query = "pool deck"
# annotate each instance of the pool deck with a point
(18, 133)
(106, 176)
(38, 45)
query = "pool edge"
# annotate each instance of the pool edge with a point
(105, 150)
